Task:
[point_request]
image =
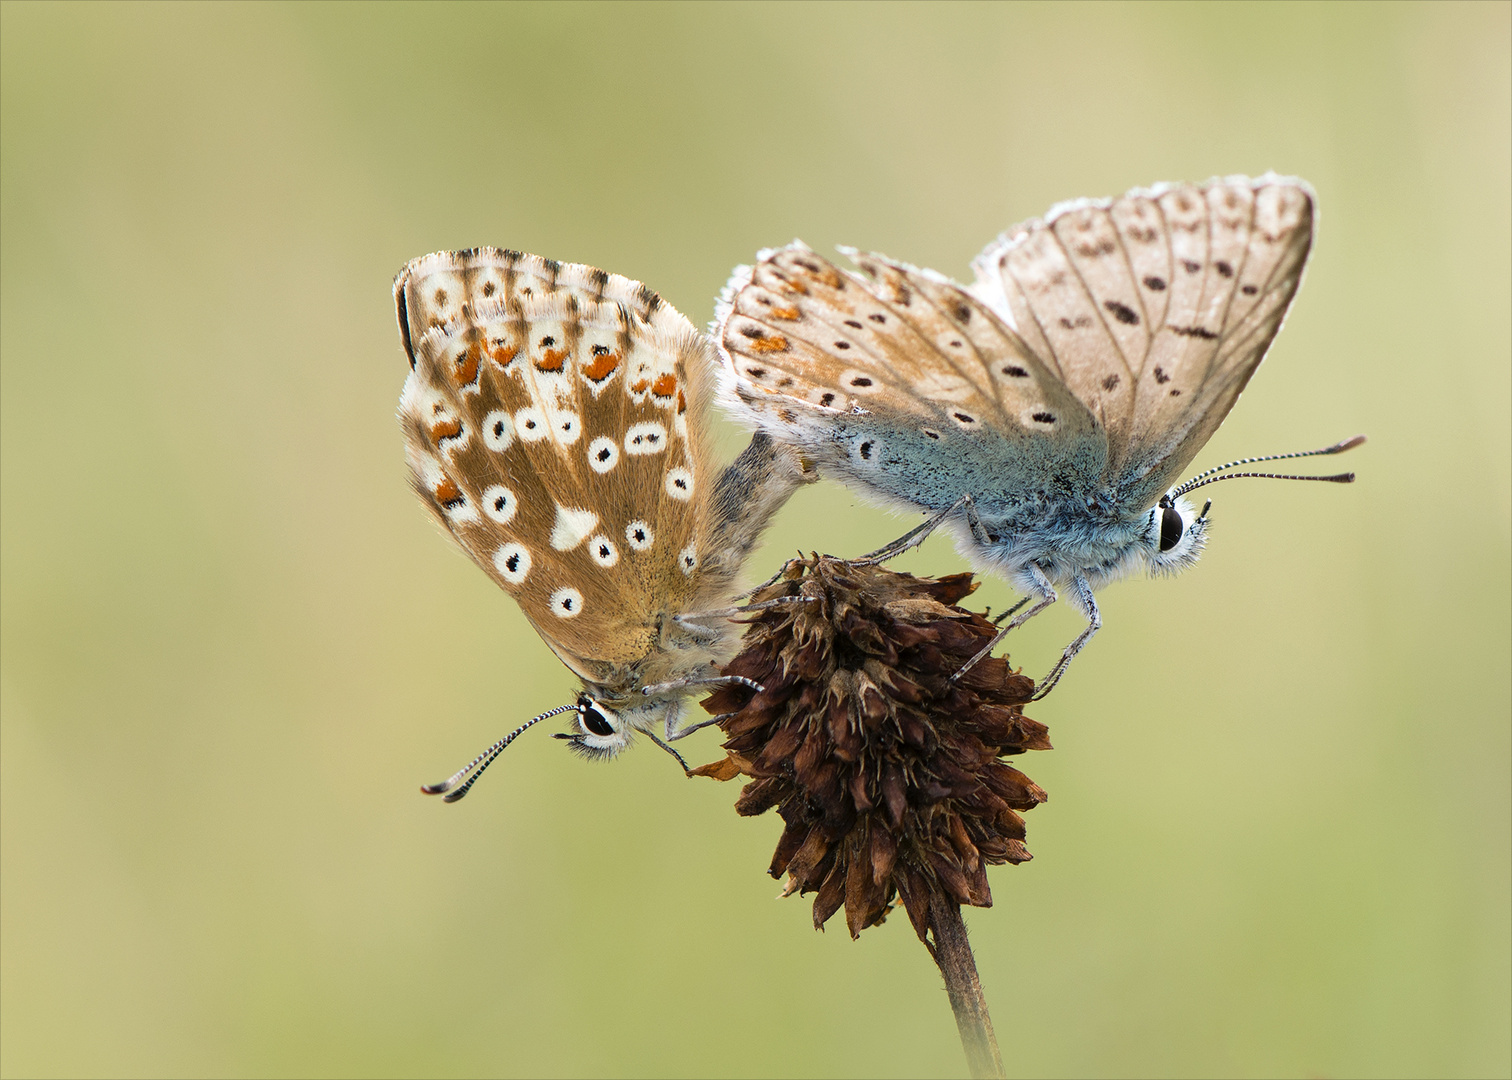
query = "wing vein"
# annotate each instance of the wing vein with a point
(1092, 299)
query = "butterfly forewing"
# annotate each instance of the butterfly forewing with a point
(1156, 308)
(949, 387)
(546, 428)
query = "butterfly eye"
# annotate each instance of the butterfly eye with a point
(594, 723)
(1171, 528)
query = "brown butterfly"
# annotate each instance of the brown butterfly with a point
(1045, 412)
(554, 425)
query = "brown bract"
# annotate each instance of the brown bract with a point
(890, 777)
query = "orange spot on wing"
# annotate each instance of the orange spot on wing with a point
(466, 367)
(775, 343)
(788, 313)
(447, 492)
(449, 428)
(503, 354)
(640, 387)
(552, 360)
(682, 402)
(664, 385)
(793, 285)
(601, 367)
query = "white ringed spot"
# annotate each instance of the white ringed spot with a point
(512, 561)
(866, 450)
(679, 483)
(572, 527)
(498, 431)
(530, 424)
(603, 454)
(601, 550)
(639, 535)
(567, 427)
(500, 503)
(687, 558)
(648, 437)
(566, 602)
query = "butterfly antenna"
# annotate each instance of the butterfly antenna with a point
(1211, 476)
(484, 760)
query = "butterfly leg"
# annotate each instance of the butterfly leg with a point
(687, 620)
(1007, 614)
(919, 533)
(1082, 595)
(714, 681)
(1040, 585)
(668, 749)
(674, 732)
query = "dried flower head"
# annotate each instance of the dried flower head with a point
(887, 773)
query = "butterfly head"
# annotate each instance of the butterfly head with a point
(1175, 534)
(600, 732)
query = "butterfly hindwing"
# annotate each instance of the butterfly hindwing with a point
(546, 424)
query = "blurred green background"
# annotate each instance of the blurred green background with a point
(233, 644)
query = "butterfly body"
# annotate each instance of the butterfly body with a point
(553, 421)
(1055, 526)
(1043, 413)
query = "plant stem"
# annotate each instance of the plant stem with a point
(952, 952)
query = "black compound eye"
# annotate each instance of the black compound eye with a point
(594, 722)
(1171, 528)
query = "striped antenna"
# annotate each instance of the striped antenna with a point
(484, 760)
(1211, 476)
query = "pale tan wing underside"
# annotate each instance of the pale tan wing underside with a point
(1155, 308)
(803, 339)
(547, 427)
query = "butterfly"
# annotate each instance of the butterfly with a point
(554, 426)
(1044, 412)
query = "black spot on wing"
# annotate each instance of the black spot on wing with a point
(1122, 312)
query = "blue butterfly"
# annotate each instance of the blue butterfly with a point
(1043, 413)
